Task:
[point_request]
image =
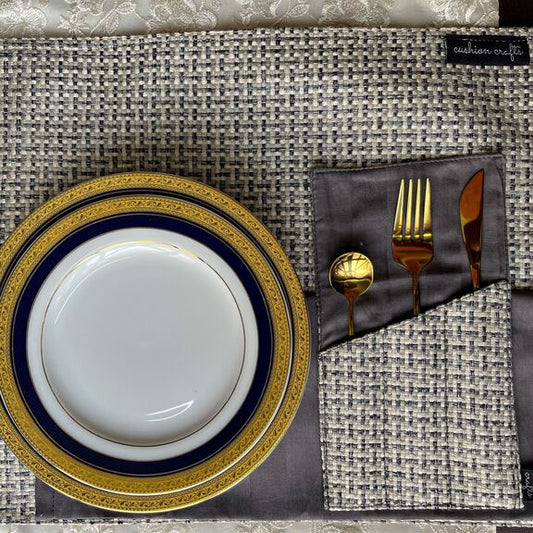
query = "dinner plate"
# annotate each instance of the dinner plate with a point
(71, 245)
(156, 342)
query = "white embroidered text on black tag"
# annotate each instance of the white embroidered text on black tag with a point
(487, 50)
(527, 484)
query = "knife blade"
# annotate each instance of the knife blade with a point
(471, 211)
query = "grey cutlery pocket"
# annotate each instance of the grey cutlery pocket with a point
(354, 211)
(420, 415)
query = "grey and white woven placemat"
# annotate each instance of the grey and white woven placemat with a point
(420, 415)
(250, 112)
(17, 500)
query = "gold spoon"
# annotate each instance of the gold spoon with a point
(351, 274)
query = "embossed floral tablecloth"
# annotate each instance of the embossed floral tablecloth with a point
(258, 527)
(29, 18)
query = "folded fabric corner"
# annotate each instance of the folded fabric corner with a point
(420, 415)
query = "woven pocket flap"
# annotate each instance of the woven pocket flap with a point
(420, 415)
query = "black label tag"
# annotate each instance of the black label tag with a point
(527, 484)
(487, 50)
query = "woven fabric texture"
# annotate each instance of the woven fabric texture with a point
(421, 414)
(17, 495)
(250, 112)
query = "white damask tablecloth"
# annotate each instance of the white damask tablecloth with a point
(30, 18)
(257, 527)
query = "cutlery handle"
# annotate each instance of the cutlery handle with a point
(416, 295)
(351, 329)
(475, 271)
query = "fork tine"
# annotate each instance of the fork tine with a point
(409, 211)
(398, 217)
(427, 230)
(417, 210)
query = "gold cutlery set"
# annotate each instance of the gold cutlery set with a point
(352, 273)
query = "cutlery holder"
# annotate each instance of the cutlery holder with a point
(354, 211)
(420, 415)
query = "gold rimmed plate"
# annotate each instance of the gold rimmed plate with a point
(156, 342)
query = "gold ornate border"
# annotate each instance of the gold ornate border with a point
(232, 463)
(149, 484)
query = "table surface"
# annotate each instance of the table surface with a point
(31, 18)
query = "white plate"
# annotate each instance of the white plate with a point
(142, 344)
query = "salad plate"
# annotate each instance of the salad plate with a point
(156, 342)
(142, 344)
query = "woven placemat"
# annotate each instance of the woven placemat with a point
(250, 112)
(17, 494)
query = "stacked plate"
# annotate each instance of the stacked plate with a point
(154, 342)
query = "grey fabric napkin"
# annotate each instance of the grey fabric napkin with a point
(354, 211)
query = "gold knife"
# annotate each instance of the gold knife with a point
(471, 211)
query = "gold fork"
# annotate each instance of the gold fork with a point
(412, 247)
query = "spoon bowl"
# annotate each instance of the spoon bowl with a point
(351, 274)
